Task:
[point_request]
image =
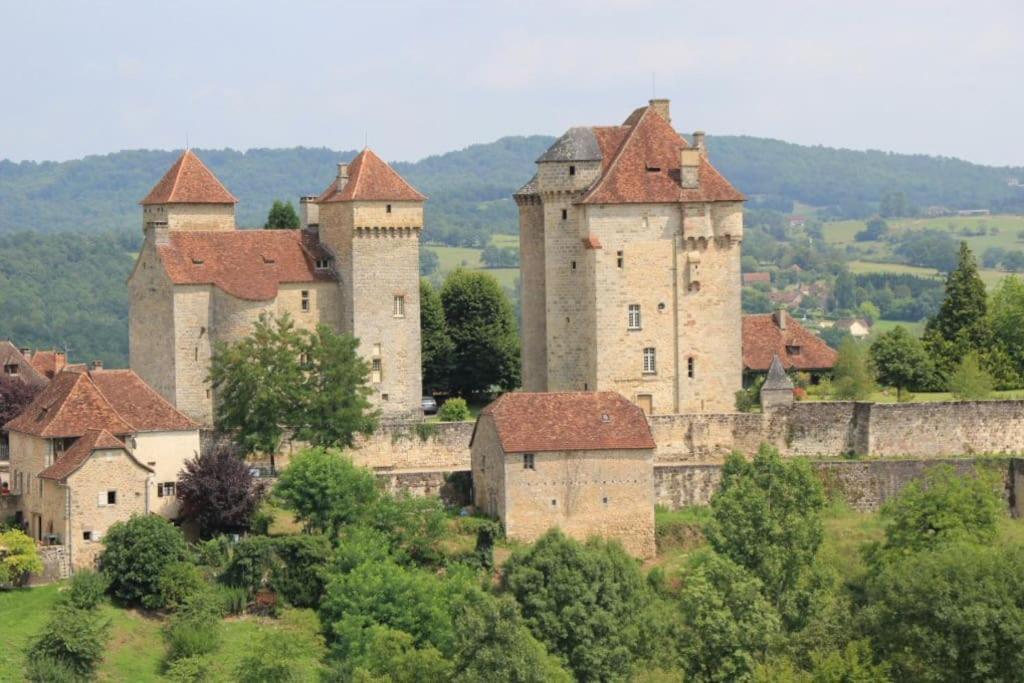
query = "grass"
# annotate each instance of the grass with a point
(450, 258)
(22, 614)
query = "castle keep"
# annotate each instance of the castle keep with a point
(630, 266)
(199, 280)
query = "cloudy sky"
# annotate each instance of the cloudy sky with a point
(415, 79)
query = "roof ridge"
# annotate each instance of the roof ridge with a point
(177, 176)
(618, 154)
(88, 374)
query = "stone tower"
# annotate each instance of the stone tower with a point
(189, 197)
(630, 265)
(370, 219)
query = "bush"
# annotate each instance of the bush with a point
(135, 554)
(298, 575)
(20, 559)
(193, 632)
(231, 600)
(73, 637)
(49, 670)
(177, 583)
(251, 563)
(271, 661)
(194, 669)
(970, 382)
(454, 410)
(213, 553)
(87, 589)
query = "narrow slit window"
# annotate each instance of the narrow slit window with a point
(305, 300)
(388, 209)
(690, 367)
(619, 258)
(565, 214)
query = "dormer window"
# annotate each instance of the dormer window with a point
(268, 259)
(197, 261)
(792, 350)
(11, 369)
(653, 169)
(323, 264)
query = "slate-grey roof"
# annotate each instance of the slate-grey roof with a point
(577, 144)
(777, 377)
(529, 188)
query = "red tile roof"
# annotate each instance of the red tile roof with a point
(117, 401)
(93, 440)
(646, 168)
(592, 242)
(751, 278)
(762, 339)
(370, 178)
(27, 372)
(49, 363)
(248, 264)
(189, 181)
(568, 421)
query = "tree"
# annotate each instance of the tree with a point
(282, 216)
(765, 517)
(727, 622)
(901, 361)
(334, 402)
(325, 490)
(482, 326)
(970, 381)
(19, 557)
(875, 229)
(454, 410)
(135, 554)
(15, 396)
(437, 349)
(869, 310)
(949, 614)
(844, 292)
(217, 492)
(992, 257)
(1006, 318)
(961, 324)
(943, 507)
(272, 660)
(258, 381)
(429, 262)
(851, 378)
(75, 638)
(586, 602)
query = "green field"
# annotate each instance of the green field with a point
(989, 276)
(451, 258)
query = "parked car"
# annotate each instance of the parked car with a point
(429, 405)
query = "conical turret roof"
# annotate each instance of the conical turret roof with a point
(777, 377)
(189, 181)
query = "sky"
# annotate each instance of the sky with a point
(414, 79)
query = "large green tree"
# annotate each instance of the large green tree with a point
(851, 377)
(900, 360)
(586, 602)
(258, 383)
(766, 518)
(482, 326)
(437, 350)
(325, 490)
(961, 325)
(1006, 316)
(282, 216)
(334, 399)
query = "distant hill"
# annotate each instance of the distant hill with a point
(470, 189)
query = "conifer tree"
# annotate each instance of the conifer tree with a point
(437, 347)
(282, 216)
(961, 325)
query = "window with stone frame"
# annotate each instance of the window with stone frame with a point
(399, 306)
(305, 300)
(528, 461)
(375, 371)
(650, 361)
(634, 316)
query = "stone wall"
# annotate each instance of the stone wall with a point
(864, 484)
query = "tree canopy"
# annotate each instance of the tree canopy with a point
(282, 216)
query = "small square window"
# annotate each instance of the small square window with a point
(305, 300)
(111, 497)
(605, 500)
(383, 397)
(323, 263)
(11, 369)
(86, 535)
(528, 461)
(554, 503)
(572, 170)
(165, 490)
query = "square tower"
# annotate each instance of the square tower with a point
(370, 218)
(630, 260)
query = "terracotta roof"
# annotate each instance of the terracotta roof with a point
(591, 242)
(370, 178)
(117, 401)
(646, 169)
(750, 278)
(140, 405)
(27, 373)
(763, 339)
(248, 264)
(48, 363)
(568, 421)
(189, 181)
(93, 440)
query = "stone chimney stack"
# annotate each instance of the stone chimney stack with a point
(343, 171)
(689, 168)
(662, 108)
(97, 365)
(698, 141)
(309, 212)
(780, 318)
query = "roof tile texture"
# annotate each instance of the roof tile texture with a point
(370, 178)
(93, 440)
(189, 181)
(568, 421)
(248, 264)
(763, 339)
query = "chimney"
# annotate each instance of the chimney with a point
(780, 318)
(662, 107)
(309, 212)
(343, 171)
(698, 141)
(689, 168)
(97, 365)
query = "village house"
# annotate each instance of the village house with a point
(858, 328)
(77, 402)
(777, 335)
(759, 278)
(579, 461)
(17, 364)
(354, 267)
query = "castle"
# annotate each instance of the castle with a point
(354, 266)
(630, 265)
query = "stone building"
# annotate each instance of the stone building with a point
(630, 266)
(79, 401)
(17, 364)
(354, 267)
(778, 335)
(579, 461)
